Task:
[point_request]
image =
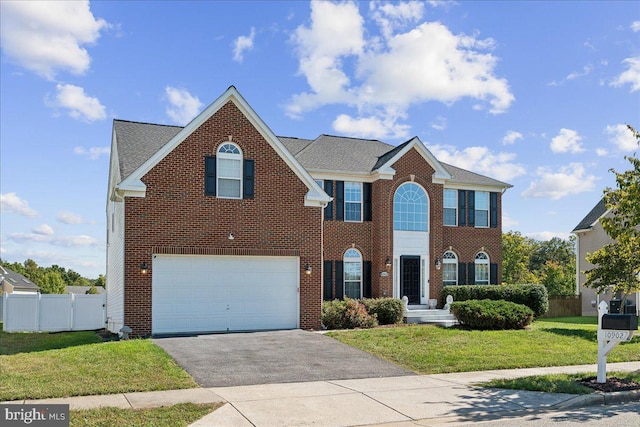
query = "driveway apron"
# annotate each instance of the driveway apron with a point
(224, 360)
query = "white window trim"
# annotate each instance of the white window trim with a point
(488, 210)
(354, 203)
(228, 156)
(428, 208)
(482, 261)
(454, 208)
(453, 261)
(352, 260)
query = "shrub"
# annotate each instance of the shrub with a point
(346, 314)
(492, 314)
(388, 310)
(533, 296)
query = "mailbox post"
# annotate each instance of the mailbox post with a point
(612, 330)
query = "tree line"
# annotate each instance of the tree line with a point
(53, 279)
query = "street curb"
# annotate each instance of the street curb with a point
(599, 398)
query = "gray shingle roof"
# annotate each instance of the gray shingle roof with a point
(83, 289)
(137, 142)
(598, 210)
(17, 280)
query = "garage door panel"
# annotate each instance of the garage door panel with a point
(216, 293)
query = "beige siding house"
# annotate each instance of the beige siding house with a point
(591, 237)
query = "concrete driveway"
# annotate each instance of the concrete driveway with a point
(224, 360)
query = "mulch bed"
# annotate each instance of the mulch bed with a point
(612, 384)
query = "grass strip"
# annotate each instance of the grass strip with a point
(555, 383)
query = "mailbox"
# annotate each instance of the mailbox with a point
(620, 322)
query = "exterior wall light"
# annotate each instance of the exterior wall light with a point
(231, 236)
(144, 268)
(307, 270)
(437, 263)
(387, 263)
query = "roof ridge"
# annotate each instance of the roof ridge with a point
(352, 137)
(147, 123)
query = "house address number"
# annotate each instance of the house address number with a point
(614, 335)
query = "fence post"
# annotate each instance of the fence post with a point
(38, 312)
(72, 311)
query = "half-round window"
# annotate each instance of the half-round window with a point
(410, 208)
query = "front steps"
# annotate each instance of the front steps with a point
(420, 314)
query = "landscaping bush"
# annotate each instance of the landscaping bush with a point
(533, 296)
(346, 314)
(389, 311)
(492, 314)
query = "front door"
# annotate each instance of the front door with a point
(410, 278)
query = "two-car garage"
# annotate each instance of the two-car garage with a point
(207, 293)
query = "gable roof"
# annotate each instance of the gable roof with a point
(132, 184)
(463, 176)
(592, 217)
(17, 280)
(83, 289)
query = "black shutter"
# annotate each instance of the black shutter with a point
(210, 176)
(366, 197)
(493, 275)
(366, 279)
(339, 200)
(493, 206)
(462, 208)
(339, 280)
(471, 273)
(249, 179)
(327, 291)
(328, 211)
(471, 208)
(462, 273)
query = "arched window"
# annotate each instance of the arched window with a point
(449, 268)
(410, 208)
(353, 274)
(229, 171)
(482, 269)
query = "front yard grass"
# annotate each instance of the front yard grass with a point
(167, 416)
(81, 364)
(428, 349)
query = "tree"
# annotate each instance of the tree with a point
(516, 253)
(557, 280)
(618, 263)
(52, 283)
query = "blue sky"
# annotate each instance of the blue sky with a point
(533, 93)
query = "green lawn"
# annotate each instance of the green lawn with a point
(43, 365)
(166, 416)
(428, 349)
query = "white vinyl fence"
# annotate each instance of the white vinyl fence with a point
(52, 313)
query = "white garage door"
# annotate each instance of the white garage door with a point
(224, 293)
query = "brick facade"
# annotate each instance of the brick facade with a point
(175, 213)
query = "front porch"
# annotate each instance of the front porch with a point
(424, 314)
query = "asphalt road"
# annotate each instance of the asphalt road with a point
(224, 360)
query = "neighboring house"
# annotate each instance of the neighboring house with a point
(223, 226)
(83, 289)
(590, 236)
(15, 283)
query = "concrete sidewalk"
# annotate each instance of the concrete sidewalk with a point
(392, 401)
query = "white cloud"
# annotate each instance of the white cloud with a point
(511, 137)
(548, 235)
(370, 127)
(585, 71)
(63, 241)
(80, 105)
(29, 238)
(71, 218)
(48, 36)
(436, 64)
(10, 202)
(242, 44)
(481, 160)
(508, 222)
(183, 106)
(554, 185)
(440, 123)
(631, 75)
(567, 140)
(621, 137)
(44, 229)
(601, 152)
(92, 153)
(635, 26)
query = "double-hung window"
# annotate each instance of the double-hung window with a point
(449, 269)
(353, 274)
(482, 209)
(353, 201)
(451, 207)
(229, 180)
(482, 269)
